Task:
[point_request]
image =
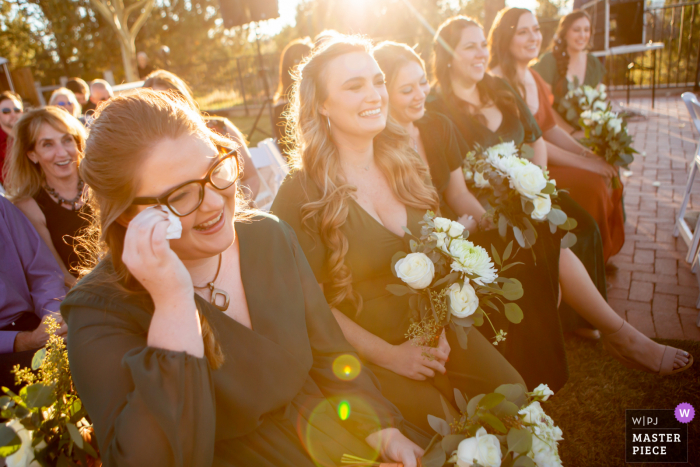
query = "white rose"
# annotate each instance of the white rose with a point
(463, 302)
(508, 164)
(543, 204)
(24, 457)
(528, 180)
(543, 391)
(480, 181)
(482, 448)
(442, 240)
(456, 229)
(533, 413)
(545, 453)
(442, 224)
(416, 270)
(615, 125)
(472, 259)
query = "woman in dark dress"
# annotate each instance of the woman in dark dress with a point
(514, 41)
(357, 184)
(434, 137)
(213, 346)
(471, 97)
(41, 179)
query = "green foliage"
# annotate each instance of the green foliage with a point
(49, 408)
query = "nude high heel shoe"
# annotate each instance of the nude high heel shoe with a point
(627, 335)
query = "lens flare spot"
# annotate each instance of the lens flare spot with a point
(346, 367)
(344, 410)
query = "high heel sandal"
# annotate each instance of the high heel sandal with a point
(627, 334)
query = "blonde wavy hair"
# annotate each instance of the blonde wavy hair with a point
(23, 178)
(124, 131)
(317, 158)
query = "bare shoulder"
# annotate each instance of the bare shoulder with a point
(31, 209)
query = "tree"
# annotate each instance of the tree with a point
(18, 43)
(117, 15)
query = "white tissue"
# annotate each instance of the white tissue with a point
(175, 227)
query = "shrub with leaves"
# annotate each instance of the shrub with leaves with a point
(47, 424)
(451, 282)
(518, 192)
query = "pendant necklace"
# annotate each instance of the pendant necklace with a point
(215, 291)
(61, 201)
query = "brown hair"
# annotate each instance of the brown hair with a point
(559, 47)
(500, 37)
(392, 56)
(123, 132)
(78, 86)
(446, 39)
(316, 156)
(172, 82)
(13, 96)
(291, 57)
(23, 178)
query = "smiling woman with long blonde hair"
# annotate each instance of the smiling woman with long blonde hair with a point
(357, 183)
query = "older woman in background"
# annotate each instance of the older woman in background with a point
(65, 99)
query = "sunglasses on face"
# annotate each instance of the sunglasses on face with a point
(64, 104)
(8, 110)
(184, 199)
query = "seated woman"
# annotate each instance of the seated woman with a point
(568, 61)
(162, 80)
(65, 99)
(514, 41)
(213, 346)
(42, 180)
(357, 184)
(464, 85)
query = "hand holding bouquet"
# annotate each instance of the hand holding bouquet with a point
(519, 193)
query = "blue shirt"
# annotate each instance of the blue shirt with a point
(30, 278)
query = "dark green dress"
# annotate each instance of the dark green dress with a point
(540, 360)
(546, 66)
(274, 402)
(523, 128)
(479, 369)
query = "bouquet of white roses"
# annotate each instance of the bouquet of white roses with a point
(451, 281)
(519, 193)
(580, 99)
(606, 135)
(507, 428)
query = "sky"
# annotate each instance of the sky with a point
(287, 9)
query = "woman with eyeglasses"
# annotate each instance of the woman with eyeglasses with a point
(10, 111)
(213, 346)
(42, 180)
(65, 99)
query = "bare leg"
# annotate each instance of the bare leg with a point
(579, 292)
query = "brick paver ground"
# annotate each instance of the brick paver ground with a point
(653, 287)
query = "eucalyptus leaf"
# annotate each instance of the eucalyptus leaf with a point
(527, 152)
(473, 403)
(461, 335)
(502, 226)
(505, 409)
(568, 240)
(519, 441)
(460, 400)
(39, 395)
(407, 230)
(494, 255)
(8, 437)
(395, 259)
(549, 189)
(518, 234)
(552, 228)
(570, 224)
(490, 401)
(494, 422)
(505, 268)
(523, 461)
(515, 393)
(512, 290)
(434, 457)
(478, 317)
(463, 322)
(450, 413)
(513, 312)
(451, 442)
(439, 425)
(75, 435)
(556, 216)
(508, 251)
(38, 358)
(399, 290)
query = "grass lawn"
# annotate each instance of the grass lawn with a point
(590, 409)
(245, 124)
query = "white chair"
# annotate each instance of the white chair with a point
(685, 219)
(272, 168)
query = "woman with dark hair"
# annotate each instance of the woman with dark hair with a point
(476, 102)
(568, 59)
(291, 57)
(237, 370)
(356, 184)
(162, 80)
(514, 41)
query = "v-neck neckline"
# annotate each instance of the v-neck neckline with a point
(364, 212)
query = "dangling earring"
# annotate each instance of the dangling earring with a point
(329, 123)
(449, 65)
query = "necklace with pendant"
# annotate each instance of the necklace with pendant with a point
(72, 202)
(214, 291)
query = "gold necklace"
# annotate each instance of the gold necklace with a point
(215, 291)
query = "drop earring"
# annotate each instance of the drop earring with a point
(329, 123)
(449, 65)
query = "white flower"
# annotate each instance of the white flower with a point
(599, 105)
(468, 174)
(456, 229)
(450, 227)
(416, 270)
(615, 125)
(441, 240)
(543, 204)
(503, 150)
(24, 457)
(463, 302)
(533, 413)
(528, 180)
(480, 181)
(545, 454)
(482, 448)
(543, 391)
(544, 451)
(472, 259)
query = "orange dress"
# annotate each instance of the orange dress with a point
(588, 189)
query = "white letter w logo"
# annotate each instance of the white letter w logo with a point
(685, 413)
